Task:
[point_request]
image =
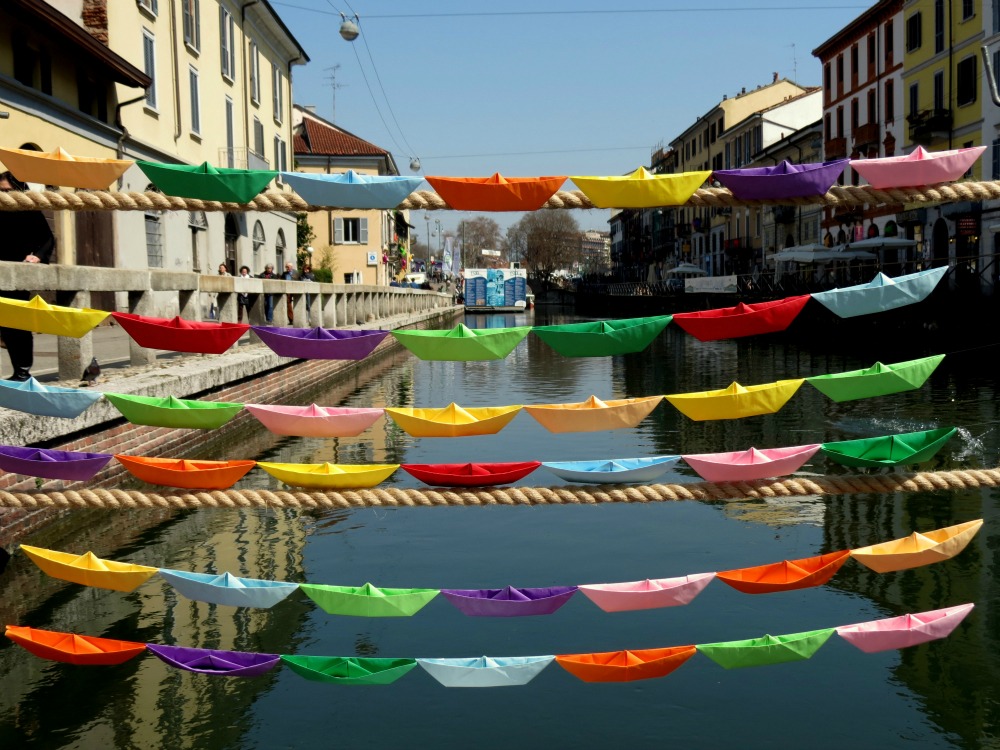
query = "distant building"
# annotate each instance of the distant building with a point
(595, 251)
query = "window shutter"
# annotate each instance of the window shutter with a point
(363, 238)
(223, 44)
(338, 231)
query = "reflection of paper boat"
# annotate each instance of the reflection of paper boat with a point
(31, 397)
(319, 343)
(593, 414)
(917, 549)
(889, 450)
(315, 421)
(770, 649)
(453, 420)
(62, 169)
(881, 293)
(904, 631)
(877, 380)
(179, 335)
(626, 666)
(350, 670)
(88, 569)
(471, 475)
(509, 601)
(462, 344)
(736, 401)
(785, 180)
(641, 189)
(180, 472)
(74, 466)
(742, 320)
(485, 671)
(39, 316)
(616, 471)
(750, 465)
(602, 338)
(214, 662)
(919, 167)
(351, 189)
(648, 594)
(205, 182)
(227, 589)
(173, 412)
(788, 575)
(496, 193)
(327, 476)
(83, 650)
(368, 600)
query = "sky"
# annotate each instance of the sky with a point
(529, 88)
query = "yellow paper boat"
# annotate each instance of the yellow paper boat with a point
(39, 316)
(641, 189)
(327, 476)
(593, 414)
(88, 569)
(60, 168)
(453, 420)
(917, 549)
(736, 401)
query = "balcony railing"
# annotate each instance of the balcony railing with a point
(866, 135)
(835, 148)
(929, 125)
(242, 158)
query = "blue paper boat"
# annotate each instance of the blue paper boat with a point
(485, 671)
(32, 397)
(881, 293)
(351, 190)
(228, 589)
(617, 471)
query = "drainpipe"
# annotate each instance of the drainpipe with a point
(990, 76)
(243, 56)
(951, 72)
(120, 148)
(176, 82)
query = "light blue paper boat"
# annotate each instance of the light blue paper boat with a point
(32, 397)
(881, 293)
(485, 671)
(228, 589)
(617, 471)
(351, 190)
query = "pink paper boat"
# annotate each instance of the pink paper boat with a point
(905, 630)
(749, 465)
(314, 421)
(917, 168)
(648, 594)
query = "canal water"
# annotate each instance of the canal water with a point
(944, 694)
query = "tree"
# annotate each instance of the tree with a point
(544, 241)
(304, 235)
(476, 235)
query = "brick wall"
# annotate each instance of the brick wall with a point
(95, 19)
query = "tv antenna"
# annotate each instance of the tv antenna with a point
(332, 78)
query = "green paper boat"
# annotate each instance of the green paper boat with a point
(368, 600)
(341, 670)
(603, 338)
(771, 649)
(877, 380)
(462, 344)
(173, 412)
(889, 450)
(206, 182)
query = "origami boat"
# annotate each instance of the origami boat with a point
(770, 649)
(485, 671)
(173, 412)
(648, 594)
(641, 189)
(341, 670)
(315, 421)
(603, 338)
(736, 401)
(788, 575)
(39, 316)
(180, 472)
(462, 344)
(742, 320)
(881, 293)
(453, 420)
(496, 193)
(471, 475)
(917, 549)
(904, 631)
(88, 569)
(31, 397)
(83, 650)
(205, 182)
(327, 476)
(509, 601)
(617, 471)
(785, 180)
(593, 414)
(60, 168)
(351, 189)
(368, 600)
(319, 343)
(877, 380)
(750, 465)
(889, 450)
(919, 167)
(179, 335)
(227, 589)
(74, 466)
(625, 666)
(213, 662)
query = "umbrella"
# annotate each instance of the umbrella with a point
(687, 268)
(874, 243)
(815, 253)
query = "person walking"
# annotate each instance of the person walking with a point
(289, 275)
(268, 273)
(243, 298)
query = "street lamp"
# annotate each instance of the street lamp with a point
(427, 218)
(437, 223)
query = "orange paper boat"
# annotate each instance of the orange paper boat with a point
(593, 414)
(496, 193)
(60, 168)
(89, 570)
(190, 475)
(787, 575)
(626, 666)
(917, 549)
(84, 650)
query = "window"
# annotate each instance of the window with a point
(871, 50)
(198, 225)
(854, 62)
(150, 6)
(827, 127)
(840, 122)
(840, 71)
(855, 115)
(890, 101)
(191, 11)
(227, 44)
(967, 83)
(827, 73)
(154, 236)
(280, 155)
(996, 66)
(996, 16)
(729, 161)
(938, 26)
(277, 93)
(258, 138)
(230, 135)
(258, 242)
(888, 40)
(968, 9)
(872, 105)
(939, 90)
(195, 85)
(279, 251)
(968, 172)
(32, 67)
(350, 231)
(996, 158)
(913, 32)
(914, 99)
(149, 65)
(254, 74)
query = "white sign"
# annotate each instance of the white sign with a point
(372, 258)
(490, 253)
(714, 284)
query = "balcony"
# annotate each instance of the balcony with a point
(866, 136)
(929, 125)
(835, 148)
(242, 158)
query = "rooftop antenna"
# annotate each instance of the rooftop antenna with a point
(332, 78)
(795, 65)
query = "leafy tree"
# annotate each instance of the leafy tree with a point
(304, 235)
(476, 235)
(544, 242)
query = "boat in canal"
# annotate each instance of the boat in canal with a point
(787, 575)
(184, 473)
(889, 450)
(918, 549)
(70, 648)
(461, 343)
(593, 415)
(89, 570)
(647, 594)
(626, 666)
(904, 631)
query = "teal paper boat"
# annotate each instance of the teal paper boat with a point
(889, 450)
(603, 338)
(227, 589)
(351, 189)
(877, 380)
(770, 649)
(31, 397)
(206, 182)
(173, 412)
(462, 344)
(881, 293)
(341, 670)
(368, 600)
(616, 471)
(485, 671)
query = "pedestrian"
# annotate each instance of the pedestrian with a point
(223, 271)
(289, 275)
(308, 275)
(268, 273)
(243, 298)
(213, 310)
(27, 238)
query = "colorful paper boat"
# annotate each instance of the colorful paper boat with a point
(881, 293)
(509, 601)
(173, 412)
(593, 414)
(648, 594)
(74, 466)
(88, 569)
(349, 670)
(770, 649)
(917, 168)
(615, 471)
(742, 320)
(319, 343)
(39, 316)
(904, 631)
(750, 465)
(877, 380)
(31, 397)
(453, 420)
(227, 589)
(917, 549)
(889, 450)
(736, 401)
(179, 335)
(485, 671)
(626, 666)
(327, 476)
(496, 193)
(471, 475)
(60, 168)
(205, 182)
(83, 650)
(641, 189)
(315, 421)
(788, 575)
(462, 344)
(351, 189)
(213, 662)
(180, 472)
(785, 180)
(368, 600)
(602, 338)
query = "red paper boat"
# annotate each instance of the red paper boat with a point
(626, 666)
(191, 475)
(787, 575)
(73, 649)
(496, 193)
(179, 335)
(471, 475)
(742, 320)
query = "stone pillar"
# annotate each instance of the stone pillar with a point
(74, 354)
(227, 303)
(299, 310)
(139, 303)
(189, 304)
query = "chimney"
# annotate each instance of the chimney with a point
(775, 79)
(744, 90)
(94, 16)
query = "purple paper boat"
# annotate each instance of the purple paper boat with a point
(51, 464)
(785, 180)
(509, 601)
(221, 663)
(319, 343)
